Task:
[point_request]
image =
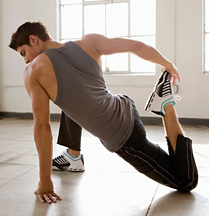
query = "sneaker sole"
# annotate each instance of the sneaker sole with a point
(57, 168)
(149, 103)
(70, 169)
(75, 169)
(150, 100)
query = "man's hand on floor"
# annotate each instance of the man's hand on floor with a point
(45, 192)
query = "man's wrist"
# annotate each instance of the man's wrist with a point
(168, 66)
(45, 178)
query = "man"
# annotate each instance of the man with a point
(70, 75)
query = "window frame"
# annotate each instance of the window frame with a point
(95, 2)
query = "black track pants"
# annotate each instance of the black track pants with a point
(69, 133)
(176, 170)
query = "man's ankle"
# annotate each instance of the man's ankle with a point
(169, 108)
(73, 152)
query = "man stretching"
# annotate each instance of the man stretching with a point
(70, 75)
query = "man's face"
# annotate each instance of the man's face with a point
(28, 52)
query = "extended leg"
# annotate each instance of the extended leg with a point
(69, 136)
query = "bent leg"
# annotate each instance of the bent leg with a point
(176, 170)
(69, 134)
(172, 125)
(150, 160)
(183, 163)
(180, 149)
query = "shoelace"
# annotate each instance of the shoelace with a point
(166, 89)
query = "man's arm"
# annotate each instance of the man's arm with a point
(42, 134)
(108, 46)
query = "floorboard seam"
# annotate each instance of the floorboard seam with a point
(151, 201)
(17, 177)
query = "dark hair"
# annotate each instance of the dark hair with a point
(21, 36)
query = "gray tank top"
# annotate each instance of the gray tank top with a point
(83, 97)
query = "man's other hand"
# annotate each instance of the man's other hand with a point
(45, 192)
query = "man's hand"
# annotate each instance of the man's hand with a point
(45, 192)
(172, 69)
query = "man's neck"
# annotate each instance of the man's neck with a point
(51, 44)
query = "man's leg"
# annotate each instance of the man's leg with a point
(180, 149)
(172, 125)
(162, 102)
(178, 169)
(70, 137)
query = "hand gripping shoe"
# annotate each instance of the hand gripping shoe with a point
(161, 96)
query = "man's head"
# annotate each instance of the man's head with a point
(26, 39)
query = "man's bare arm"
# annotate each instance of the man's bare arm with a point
(42, 134)
(108, 46)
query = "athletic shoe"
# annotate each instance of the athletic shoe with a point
(66, 161)
(161, 96)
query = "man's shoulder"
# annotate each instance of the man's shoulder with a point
(40, 61)
(90, 39)
(33, 72)
(89, 44)
(38, 64)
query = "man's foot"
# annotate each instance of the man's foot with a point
(161, 96)
(66, 161)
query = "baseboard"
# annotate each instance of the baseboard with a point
(29, 116)
(16, 115)
(146, 120)
(183, 121)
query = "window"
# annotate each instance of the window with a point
(207, 35)
(135, 19)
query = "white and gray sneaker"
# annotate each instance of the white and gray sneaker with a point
(66, 161)
(161, 96)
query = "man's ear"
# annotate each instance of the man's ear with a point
(34, 40)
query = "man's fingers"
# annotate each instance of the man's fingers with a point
(178, 78)
(174, 79)
(46, 197)
(57, 196)
(52, 198)
(40, 197)
(49, 198)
